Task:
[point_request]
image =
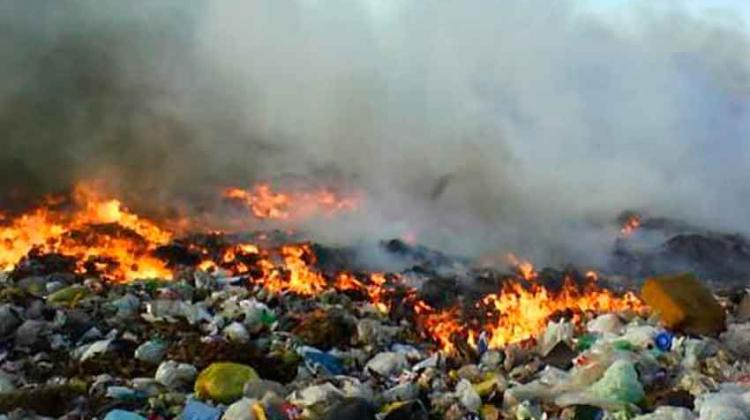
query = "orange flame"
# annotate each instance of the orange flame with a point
(298, 260)
(631, 225)
(592, 275)
(524, 267)
(123, 250)
(375, 290)
(518, 313)
(265, 203)
(109, 240)
(523, 312)
(515, 314)
(442, 326)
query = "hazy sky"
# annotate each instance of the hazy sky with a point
(482, 125)
(726, 10)
(719, 9)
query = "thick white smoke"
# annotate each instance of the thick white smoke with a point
(502, 124)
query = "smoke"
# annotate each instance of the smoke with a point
(476, 126)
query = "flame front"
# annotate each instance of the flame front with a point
(100, 233)
(514, 314)
(522, 313)
(106, 239)
(518, 313)
(265, 203)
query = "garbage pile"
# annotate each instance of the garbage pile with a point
(108, 314)
(216, 345)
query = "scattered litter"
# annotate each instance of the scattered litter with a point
(196, 410)
(174, 375)
(223, 381)
(215, 344)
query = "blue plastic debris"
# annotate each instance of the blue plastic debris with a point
(123, 415)
(196, 410)
(483, 343)
(124, 393)
(316, 358)
(664, 341)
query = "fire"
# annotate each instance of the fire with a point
(107, 239)
(300, 278)
(101, 233)
(522, 313)
(292, 269)
(289, 269)
(516, 313)
(525, 268)
(375, 290)
(265, 203)
(631, 225)
(442, 326)
(519, 312)
(19, 235)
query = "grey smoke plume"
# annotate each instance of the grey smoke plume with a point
(480, 126)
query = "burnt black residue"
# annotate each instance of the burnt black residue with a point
(720, 258)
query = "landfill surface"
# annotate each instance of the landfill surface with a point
(107, 315)
(207, 345)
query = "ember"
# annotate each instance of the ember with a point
(631, 224)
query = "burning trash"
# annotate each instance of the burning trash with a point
(109, 314)
(265, 203)
(630, 222)
(361, 209)
(101, 234)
